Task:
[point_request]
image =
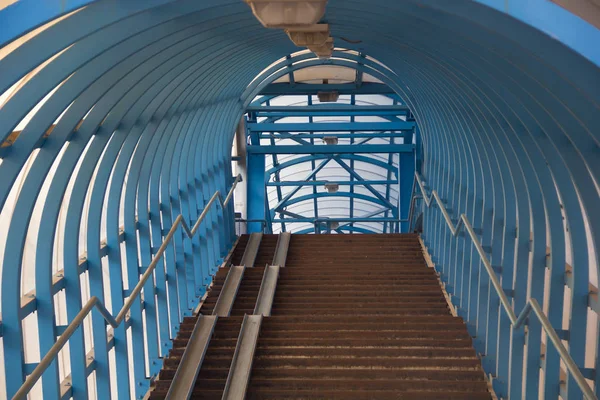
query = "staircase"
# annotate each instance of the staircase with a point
(353, 317)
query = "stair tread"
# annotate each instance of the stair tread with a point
(352, 318)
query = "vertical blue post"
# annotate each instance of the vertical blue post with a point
(407, 175)
(418, 147)
(256, 194)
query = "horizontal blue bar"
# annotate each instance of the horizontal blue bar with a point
(327, 110)
(332, 149)
(328, 107)
(337, 135)
(341, 183)
(315, 113)
(325, 220)
(343, 88)
(332, 127)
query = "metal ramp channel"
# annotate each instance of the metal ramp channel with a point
(330, 326)
(187, 372)
(235, 275)
(241, 366)
(362, 317)
(268, 285)
(267, 291)
(184, 380)
(251, 252)
(283, 244)
(230, 288)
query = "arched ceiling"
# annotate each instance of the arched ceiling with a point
(145, 95)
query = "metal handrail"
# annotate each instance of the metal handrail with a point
(532, 304)
(95, 302)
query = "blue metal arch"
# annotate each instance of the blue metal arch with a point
(306, 60)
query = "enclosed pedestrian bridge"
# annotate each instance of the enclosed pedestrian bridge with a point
(299, 199)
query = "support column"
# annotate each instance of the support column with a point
(256, 194)
(406, 175)
(241, 169)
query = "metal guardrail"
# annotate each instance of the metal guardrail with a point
(95, 302)
(532, 304)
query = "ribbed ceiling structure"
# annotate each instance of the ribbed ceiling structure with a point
(142, 98)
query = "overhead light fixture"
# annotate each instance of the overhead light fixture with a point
(330, 140)
(287, 13)
(328, 97)
(325, 50)
(332, 187)
(310, 36)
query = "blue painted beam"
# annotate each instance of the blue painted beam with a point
(311, 119)
(407, 173)
(333, 113)
(349, 220)
(387, 189)
(352, 141)
(323, 107)
(333, 109)
(332, 127)
(359, 72)
(348, 228)
(341, 183)
(277, 177)
(358, 196)
(291, 214)
(337, 135)
(351, 157)
(332, 149)
(308, 89)
(256, 195)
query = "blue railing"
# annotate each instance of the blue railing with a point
(94, 302)
(532, 305)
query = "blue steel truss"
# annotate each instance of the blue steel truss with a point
(141, 101)
(270, 133)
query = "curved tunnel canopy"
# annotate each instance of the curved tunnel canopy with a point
(141, 100)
